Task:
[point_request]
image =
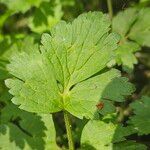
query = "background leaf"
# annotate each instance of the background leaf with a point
(103, 135)
(33, 131)
(140, 32)
(140, 119)
(125, 51)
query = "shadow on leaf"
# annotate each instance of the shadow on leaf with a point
(22, 129)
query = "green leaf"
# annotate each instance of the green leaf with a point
(23, 130)
(62, 75)
(22, 45)
(125, 55)
(140, 32)
(129, 145)
(140, 119)
(10, 46)
(3, 71)
(104, 136)
(4, 48)
(107, 87)
(122, 132)
(46, 16)
(21, 5)
(122, 24)
(123, 21)
(108, 108)
(81, 51)
(3, 18)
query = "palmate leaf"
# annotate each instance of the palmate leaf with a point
(124, 20)
(107, 86)
(62, 75)
(108, 136)
(125, 55)
(22, 130)
(134, 27)
(122, 24)
(141, 119)
(140, 32)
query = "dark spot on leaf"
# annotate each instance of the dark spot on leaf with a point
(100, 105)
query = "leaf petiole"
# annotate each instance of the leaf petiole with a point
(68, 129)
(110, 9)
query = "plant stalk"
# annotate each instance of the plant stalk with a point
(110, 8)
(68, 129)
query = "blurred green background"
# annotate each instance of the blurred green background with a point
(23, 21)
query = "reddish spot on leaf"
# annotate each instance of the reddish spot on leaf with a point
(100, 105)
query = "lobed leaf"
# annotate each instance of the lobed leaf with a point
(105, 135)
(63, 74)
(122, 24)
(125, 55)
(140, 119)
(123, 21)
(22, 130)
(107, 87)
(140, 32)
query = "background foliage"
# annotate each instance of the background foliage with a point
(124, 121)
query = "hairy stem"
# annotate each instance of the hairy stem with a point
(68, 129)
(110, 9)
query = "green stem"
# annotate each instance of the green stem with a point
(110, 9)
(68, 129)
